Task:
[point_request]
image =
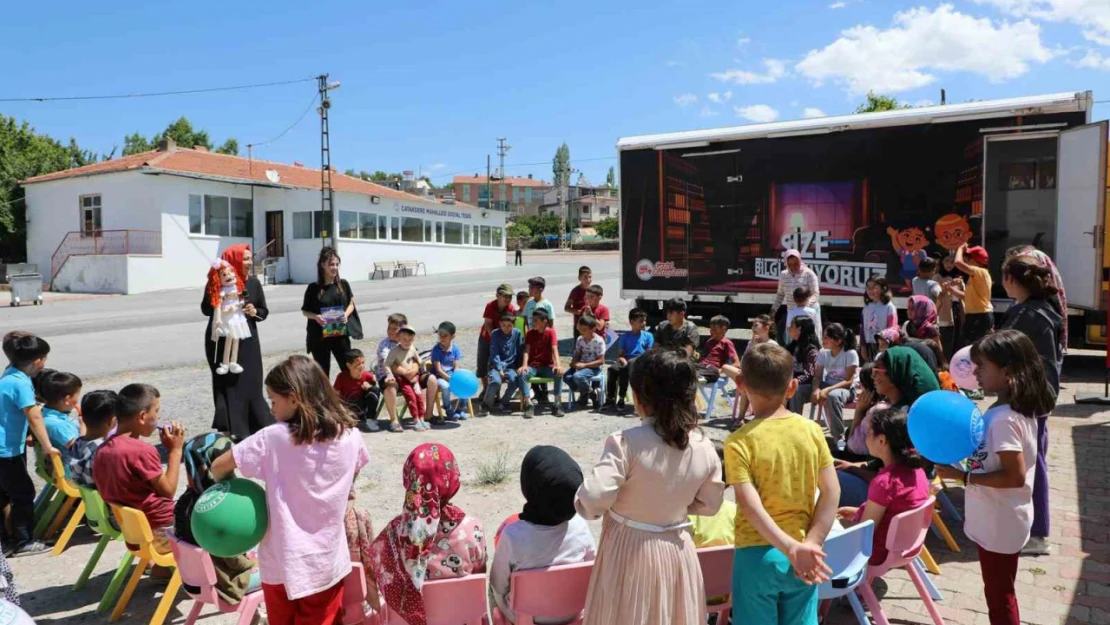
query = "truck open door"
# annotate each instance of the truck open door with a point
(1081, 194)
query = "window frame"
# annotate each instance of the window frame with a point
(97, 213)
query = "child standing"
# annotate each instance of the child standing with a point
(536, 287)
(647, 568)
(60, 392)
(308, 461)
(879, 313)
(925, 283)
(491, 318)
(445, 357)
(999, 480)
(541, 359)
(836, 375)
(803, 295)
(804, 349)
(404, 362)
(585, 364)
(128, 471)
(776, 464)
(576, 301)
(597, 310)
(19, 412)
(630, 345)
(98, 412)
(358, 388)
(504, 353)
(719, 351)
(978, 309)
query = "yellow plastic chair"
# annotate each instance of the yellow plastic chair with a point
(139, 538)
(939, 526)
(73, 496)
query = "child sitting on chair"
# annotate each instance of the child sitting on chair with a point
(98, 413)
(60, 392)
(358, 387)
(719, 351)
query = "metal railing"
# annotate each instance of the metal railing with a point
(105, 242)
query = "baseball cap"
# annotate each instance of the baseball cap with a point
(978, 254)
(407, 330)
(505, 289)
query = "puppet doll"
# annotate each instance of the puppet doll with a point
(225, 289)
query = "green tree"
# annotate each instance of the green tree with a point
(136, 144)
(231, 146)
(183, 134)
(611, 178)
(560, 165)
(876, 103)
(608, 228)
(519, 230)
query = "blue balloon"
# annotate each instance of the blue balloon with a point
(945, 427)
(464, 384)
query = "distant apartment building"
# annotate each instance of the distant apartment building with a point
(517, 195)
(586, 205)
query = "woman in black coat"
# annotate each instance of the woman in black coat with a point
(329, 306)
(241, 410)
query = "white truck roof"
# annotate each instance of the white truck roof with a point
(1078, 102)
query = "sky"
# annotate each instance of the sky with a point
(431, 86)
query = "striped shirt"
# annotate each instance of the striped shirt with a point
(788, 282)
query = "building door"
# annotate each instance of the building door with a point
(275, 234)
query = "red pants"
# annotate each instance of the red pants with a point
(999, 573)
(322, 608)
(413, 397)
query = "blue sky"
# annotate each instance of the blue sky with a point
(431, 86)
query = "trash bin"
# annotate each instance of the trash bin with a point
(26, 288)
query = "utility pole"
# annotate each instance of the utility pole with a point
(502, 149)
(327, 206)
(563, 182)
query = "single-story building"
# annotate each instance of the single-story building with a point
(156, 220)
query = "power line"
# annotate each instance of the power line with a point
(291, 126)
(577, 160)
(158, 93)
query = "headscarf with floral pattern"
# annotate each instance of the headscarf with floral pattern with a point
(403, 549)
(923, 325)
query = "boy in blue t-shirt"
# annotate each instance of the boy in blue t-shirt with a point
(60, 392)
(629, 346)
(19, 411)
(445, 357)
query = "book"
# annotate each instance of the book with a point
(335, 324)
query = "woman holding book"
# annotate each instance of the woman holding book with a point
(329, 306)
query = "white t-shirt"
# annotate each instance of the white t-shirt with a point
(807, 311)
(998, 519)
(836, 367)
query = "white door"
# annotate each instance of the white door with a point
(1081, 194)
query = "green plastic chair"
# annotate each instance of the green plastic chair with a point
(46, 496)
(98, 517)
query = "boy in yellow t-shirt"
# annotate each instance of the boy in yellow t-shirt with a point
(776, 464)
(978, 309)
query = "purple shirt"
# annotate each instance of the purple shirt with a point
(306, 496)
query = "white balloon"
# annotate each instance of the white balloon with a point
(11, 614)
(963, 370)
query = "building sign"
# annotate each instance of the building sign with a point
(435, 212)
(845, 276)
(646, 270)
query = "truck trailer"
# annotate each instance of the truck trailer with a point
(706, 215)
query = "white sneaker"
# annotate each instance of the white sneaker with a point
(1036, 546)
(235, 368)
(221, 370)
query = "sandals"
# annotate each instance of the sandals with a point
(396, 428)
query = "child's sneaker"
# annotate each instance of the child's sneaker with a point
(395, 427)
(595, 399)
(483, 409)
(529, 411)
(462, 415)
(610, 406)
(559, 410)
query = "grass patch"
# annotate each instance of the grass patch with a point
(495, 470)
(1038, 571)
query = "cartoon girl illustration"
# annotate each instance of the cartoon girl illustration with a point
(910, 244)
(952, 231)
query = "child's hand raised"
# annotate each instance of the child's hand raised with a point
(808, 561)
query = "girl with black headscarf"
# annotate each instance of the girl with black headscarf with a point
(549, 531)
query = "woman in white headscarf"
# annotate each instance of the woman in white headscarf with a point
(796, 274)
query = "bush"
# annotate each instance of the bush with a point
(608, 228)
(495, 470)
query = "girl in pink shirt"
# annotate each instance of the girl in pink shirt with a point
(308, 461)
(901, 484)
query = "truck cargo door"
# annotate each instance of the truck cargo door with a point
(1081, 193)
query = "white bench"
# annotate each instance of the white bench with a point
(388, 268)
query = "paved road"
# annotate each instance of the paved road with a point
(110, 335)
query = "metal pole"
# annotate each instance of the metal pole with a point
(327, 207)
(489, 190)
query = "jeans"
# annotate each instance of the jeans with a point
(797, 403)
(445, 396)
(580, 380)
(618, 375)
(493, 389)
(834, 411)
(542, 372)
(853, 489)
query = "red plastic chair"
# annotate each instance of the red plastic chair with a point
(460, 601)
(197, 572)
(716, 569)
(904, 540)
(545, 593)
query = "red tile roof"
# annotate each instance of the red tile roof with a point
(511, 180)
(232, 168)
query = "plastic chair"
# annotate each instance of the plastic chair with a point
(72, 495)
(98, 518)
(354, 597)
(195, 567)
(46, 496)
(460, 601)
(549, 592)
(716, 570)
(599, 379)
(139, 538)
(939, 527)
(709, 392)
(905, 538)
(847, 552)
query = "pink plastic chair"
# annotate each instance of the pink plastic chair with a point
(716, 569)
(460, 601)
(354, 596)
(547, 593)
(198, 577)
(904, 541)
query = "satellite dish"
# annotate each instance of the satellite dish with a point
(272, 176)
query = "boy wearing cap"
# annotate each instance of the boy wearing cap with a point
(491, 318)
(445, 357)
(978, 309)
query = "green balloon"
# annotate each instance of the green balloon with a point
(230, 518)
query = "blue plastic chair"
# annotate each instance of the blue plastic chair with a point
(848, 553)
(709, 394)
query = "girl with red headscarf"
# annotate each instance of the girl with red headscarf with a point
(239, 407)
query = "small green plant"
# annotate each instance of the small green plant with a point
(495, 470)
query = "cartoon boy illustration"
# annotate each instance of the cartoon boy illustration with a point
(952, 231)
(910, 243)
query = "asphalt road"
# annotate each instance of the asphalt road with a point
(110, 335)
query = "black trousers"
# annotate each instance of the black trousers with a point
(322, 352)
(518, 258)
(366, 407)
(17, 489)
(976, 326)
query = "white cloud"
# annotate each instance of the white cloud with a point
(708, 112)
(1092, 15)
(920, 43)
(1094, 60)
(838, 5)
(720, 98)
(813, 113)
(774, 70)
(743, 41)
(759, 113)
(685, 99)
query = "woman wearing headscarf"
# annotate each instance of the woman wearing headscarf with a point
(235, 577)
(922, 324)
(796, 274)
(431, 539)
(549, 531)
(900, 376)
(240, 408)
(1059, 300)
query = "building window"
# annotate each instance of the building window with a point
(412, 229)
(527, 195)
(465, 192)
(439, 232)
(453, 234)
(466, 234)
(196, 214)
(368, 226)
(90, 214)
(395, 228)
(217, 221)
(485, 236)
(383, 228)
(348, 224)
(604, 210)
(501, 192)
(242, 217)
(428, 225)
(302, 225)
(497, 237)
